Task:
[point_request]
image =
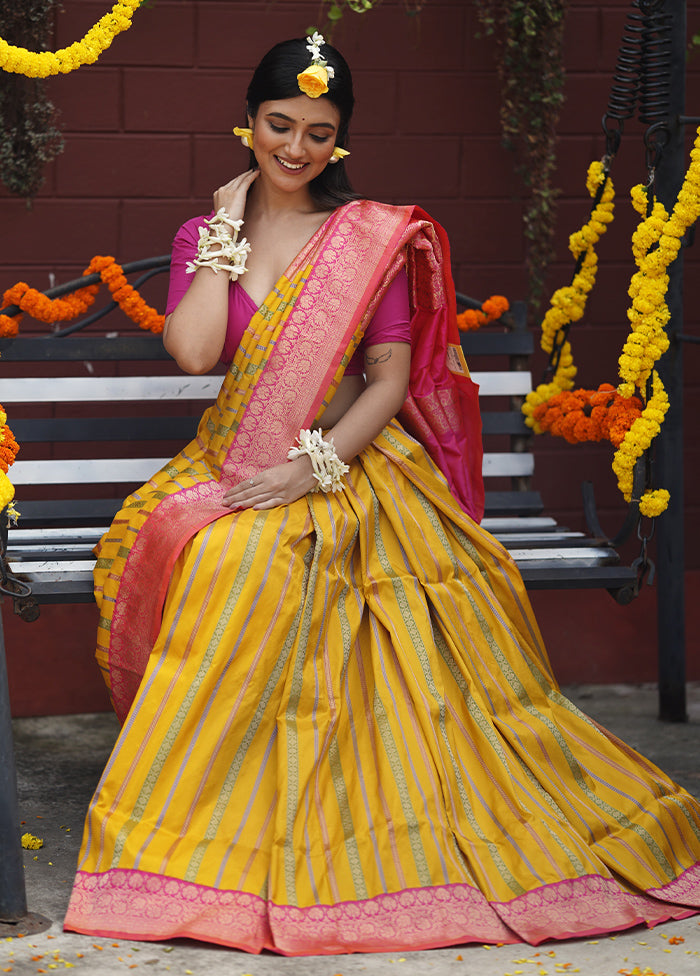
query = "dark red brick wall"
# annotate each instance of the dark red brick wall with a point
(148, 139)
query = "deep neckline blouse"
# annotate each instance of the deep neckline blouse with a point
(390, 322)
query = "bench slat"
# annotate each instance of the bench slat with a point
(505, 383)
(20, 536)
(79, 429)
(497, 524)
(120, 346)
(35, 550)
(100, 511)
(96, 471)
(561, 567)
(546, 576)
(101, 471)
(114, 347)
(507, 465)
(579, 556)
(100, 389)
(520, 343)
(48, 570)
(512, 423)
(68, 389)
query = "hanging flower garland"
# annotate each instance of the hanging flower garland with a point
(568, 303)
(45, 309)
(8, 452)
(633, 418)
(636, 441)
(473, 318)
(44, 63)
(125, 295)
(648, 317)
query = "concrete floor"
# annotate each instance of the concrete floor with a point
(59, 760)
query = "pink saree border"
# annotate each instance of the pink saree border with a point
(133, 904)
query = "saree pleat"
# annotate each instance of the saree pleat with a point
(361, 746)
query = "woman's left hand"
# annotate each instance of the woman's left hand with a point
(279, 485)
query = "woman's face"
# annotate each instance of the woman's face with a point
(293, 139)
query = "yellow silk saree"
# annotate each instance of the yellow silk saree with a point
(341, 731)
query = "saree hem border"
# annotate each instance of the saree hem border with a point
(412, 919)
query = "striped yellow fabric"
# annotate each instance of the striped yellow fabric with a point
(349, 736)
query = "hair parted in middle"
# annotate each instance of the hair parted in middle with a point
(276, 78)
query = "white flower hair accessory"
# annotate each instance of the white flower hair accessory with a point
(313, 81)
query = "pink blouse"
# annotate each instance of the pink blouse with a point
(390, 322)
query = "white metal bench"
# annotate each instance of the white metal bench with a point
(115, 414)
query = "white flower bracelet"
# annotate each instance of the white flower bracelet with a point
(218, 247)
(327, 466)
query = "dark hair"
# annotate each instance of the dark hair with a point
(276, 78)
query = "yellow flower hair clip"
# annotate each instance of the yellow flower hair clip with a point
(313, 81)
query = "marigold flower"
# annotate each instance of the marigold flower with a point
(43, 63)
(473, 318)
(31, 843)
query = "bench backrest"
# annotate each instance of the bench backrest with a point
(96, 416)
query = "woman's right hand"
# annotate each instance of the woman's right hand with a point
(232, 196)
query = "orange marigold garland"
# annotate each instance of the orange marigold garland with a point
(589, 415)
(42, 308)
(126, 296)
(46, 309)
(473, 318)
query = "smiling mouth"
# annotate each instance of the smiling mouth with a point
(292, 167)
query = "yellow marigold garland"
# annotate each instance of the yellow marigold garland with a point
(635, 442)
(648, 317)
(545, 409)
(568, 303)
(41, 64)
(8, 451)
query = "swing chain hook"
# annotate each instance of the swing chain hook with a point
(613, 138)
(656, 138)
(24, 604)
(644, 564)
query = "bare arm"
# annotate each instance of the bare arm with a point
(387, 371)
(195, 332)
(387, 368)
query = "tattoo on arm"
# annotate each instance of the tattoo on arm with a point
(383, 358)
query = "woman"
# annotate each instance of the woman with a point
(341, 731)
